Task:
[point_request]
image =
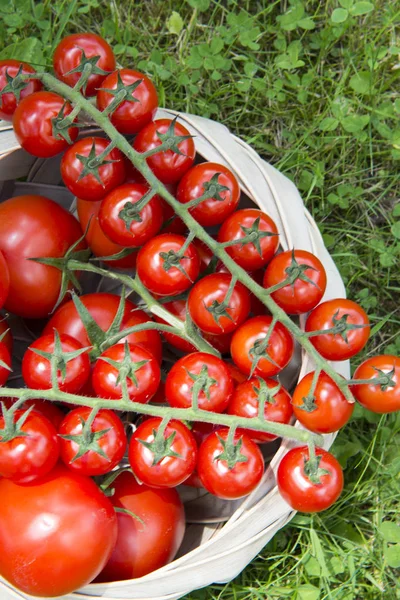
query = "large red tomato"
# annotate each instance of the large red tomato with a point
(9, 100)
(56, 535)
(33, 227)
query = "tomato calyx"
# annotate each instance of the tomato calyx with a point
(87, 440)
(169, 141)
(264, 395)
(384, 380)
(59, 358)
(161, 446)
(126, 368)
(253, 235)
(131, 211)
(15, 85)
(122, 93)
(13, 429)
(231, 451)
(173, 259)
(202, 383)
(341, 327)
(61, 125)
(92, 162)
(212, 190)
(296, 271)
(313, 471)
(219, 309)
(88, 65)
(309, 404)
(259, 350)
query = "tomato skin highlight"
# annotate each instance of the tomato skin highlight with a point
(371, 396)
(297, 489)
(31, 227)
(331, 346)
(8, 101)
(61, 510)
(129, 117)
(68, 54)
(143, 548)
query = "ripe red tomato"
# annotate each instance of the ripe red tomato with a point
(250, 222)
(336, 346)
(82, 174)
(172, 223)
(9, 100)
(32, 227)
(32, 454)
(100, 245)
(236, 374)
(296, 487)
(168, 166)
(142, 380)
(123, 223)
(35, 124)
(205, 254)
(72, 374)
(103, 452)
(245, 403)
(221, 342)
(76, 47)
(234, 481)
(149, 543)
(5, 333)
(196, 182)
(54, 414)
(193, 369)
(326, 410)
(5, 357)
(301, 296)
(210, 307)
(166, 462)
(177, 308)
(247, 346)
(162, 270)
(63, 521)
(377, 398)
(4, 283)
(131, 115)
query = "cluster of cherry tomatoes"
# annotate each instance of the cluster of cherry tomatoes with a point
(47, 451)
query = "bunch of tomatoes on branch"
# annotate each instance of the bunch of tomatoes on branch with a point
(183, 388)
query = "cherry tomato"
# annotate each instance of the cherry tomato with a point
(247, 346)
(172, 223)
(302, 295)
(5, 332)
(168, 166)
(18, 91)
(48, 409)
(205, 254)
(134, 113)
(214, 307)
(72, 372)
(250, 222)
(33, 227)
(298, 489)
(236, 374)
(100, 245)
(35, 124)
(5, 358)
(211, 376)
(73, 49)
(32, 454)
(143, 377)
(123, 223)
(62, 522)
(379, 398)
(245, 403)
(87, 178)
(206, 177)
(339, 346)
(166, 461)
(221, 341)
(229, 481)
(325, 410)
(103, 452)
(149, 542)
(164, 268)
(4, 281)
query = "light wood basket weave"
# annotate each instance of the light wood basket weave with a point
(222, 537)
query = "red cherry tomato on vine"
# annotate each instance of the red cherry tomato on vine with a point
(9, 100)
(229, 481)
(125, 224)
(149, 542)
(302, 295)
(222, 203)
(245, 402)
(54, 414)
(215, 307)
(72, 372)
(325, 410)
(333, 313)
(85, 176)
(111, 445)
(250, 222)
(31, 454)
(211, 377)
(32, 227)
(301, 492)
(75, 523)
(4, 282)
(143, 376)
(35, 124)
(249, 354)
(131, 115)
(166, 266)
(168, 166)
(379, 398)
(73, 49)
(147, 462)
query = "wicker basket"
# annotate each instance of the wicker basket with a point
(222, 537)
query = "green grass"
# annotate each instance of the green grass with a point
(314, 87)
